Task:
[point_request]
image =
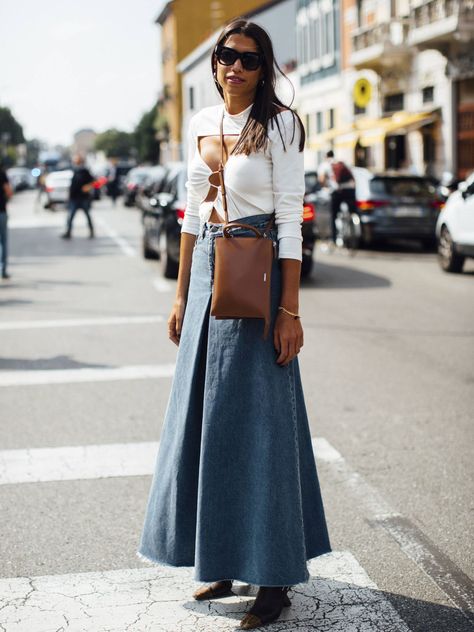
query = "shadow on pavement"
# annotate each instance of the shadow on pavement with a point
(13, 301)
(51, 364)
(327, 605)
(341, 276)
(46, 242)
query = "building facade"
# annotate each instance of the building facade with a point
(198, 87)
(390, 83)
(84, 141)
(184, 26)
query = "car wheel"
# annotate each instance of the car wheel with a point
(306, 265)
(449, 260)
(170, 266)
(148, 253)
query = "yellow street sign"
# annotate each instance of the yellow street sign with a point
(362, 92)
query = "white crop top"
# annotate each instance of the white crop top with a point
(263, 182)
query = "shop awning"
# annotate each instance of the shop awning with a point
(400, 122)
(373, 131)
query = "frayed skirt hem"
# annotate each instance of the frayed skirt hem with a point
(245, 579)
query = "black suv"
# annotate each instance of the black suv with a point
(162, 222)
(163, 219)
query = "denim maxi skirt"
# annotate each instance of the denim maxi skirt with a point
(235, 492)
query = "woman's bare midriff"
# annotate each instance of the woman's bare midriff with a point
(209, 148)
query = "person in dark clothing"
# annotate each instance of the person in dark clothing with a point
(113, 183)
(338, 178)
(5, 194)
(79, 195)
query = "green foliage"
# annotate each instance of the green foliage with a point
(11, 132)
(115, 143)
(33, 148)
(148, 147)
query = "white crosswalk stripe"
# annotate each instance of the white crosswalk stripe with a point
(339, 597)
(80, 322)
(88, 462)
(69, 376)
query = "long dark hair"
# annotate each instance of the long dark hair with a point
(254, 136)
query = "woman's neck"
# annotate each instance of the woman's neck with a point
(235, 105)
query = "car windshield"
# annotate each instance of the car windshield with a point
(402, 186)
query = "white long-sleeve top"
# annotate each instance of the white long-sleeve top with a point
(262, 182)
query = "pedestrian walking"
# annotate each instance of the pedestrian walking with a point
(113, 181)
(235, 491)
(338, 178)
(79, 196)
(6, 193)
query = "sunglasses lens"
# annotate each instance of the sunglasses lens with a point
(226, 56)
(250, 61)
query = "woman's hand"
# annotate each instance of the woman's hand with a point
(175, 320)
(287, 337)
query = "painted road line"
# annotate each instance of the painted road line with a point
(138, 459)
(122, 243)
(77, 462)
(338, 597)
(36, 222)
(90, 461)
(163, 285)
(79, 322)
(69, 376)
(449, 578)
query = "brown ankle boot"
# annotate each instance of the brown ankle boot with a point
(217, 589)
(267, 606)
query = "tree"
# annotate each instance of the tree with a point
(147, 144)
(11, 132)
(115, 143)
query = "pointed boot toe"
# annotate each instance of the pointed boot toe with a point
(250, 621)
(215, 590)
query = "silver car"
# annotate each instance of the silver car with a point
(57, 185)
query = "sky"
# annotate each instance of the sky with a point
(70, 64)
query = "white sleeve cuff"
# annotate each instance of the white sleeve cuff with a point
(290, 248)
(190, 224)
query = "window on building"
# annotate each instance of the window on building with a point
(307, 125)
(324, 37)
(327, 28)
(359, 110)
(316, 34)
(319, 122)
(331, 118)
(428, 94)
(191, 97)
(393, 102)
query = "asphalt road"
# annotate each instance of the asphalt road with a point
(388, 374)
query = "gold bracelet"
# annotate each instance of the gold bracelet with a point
(295, 316)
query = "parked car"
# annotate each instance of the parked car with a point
(455, 228)
(308, 227)
(57, 185)
(131, 183)
(21, 178)
(163, 218)
(162, 222)
(390, 205)
(147, 190)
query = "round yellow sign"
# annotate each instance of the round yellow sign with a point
(362, 92)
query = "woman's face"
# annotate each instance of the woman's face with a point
(234, 79)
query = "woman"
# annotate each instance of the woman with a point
(235, 491)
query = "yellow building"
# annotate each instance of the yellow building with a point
(185, 24)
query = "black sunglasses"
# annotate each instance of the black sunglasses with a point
(228, 56)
